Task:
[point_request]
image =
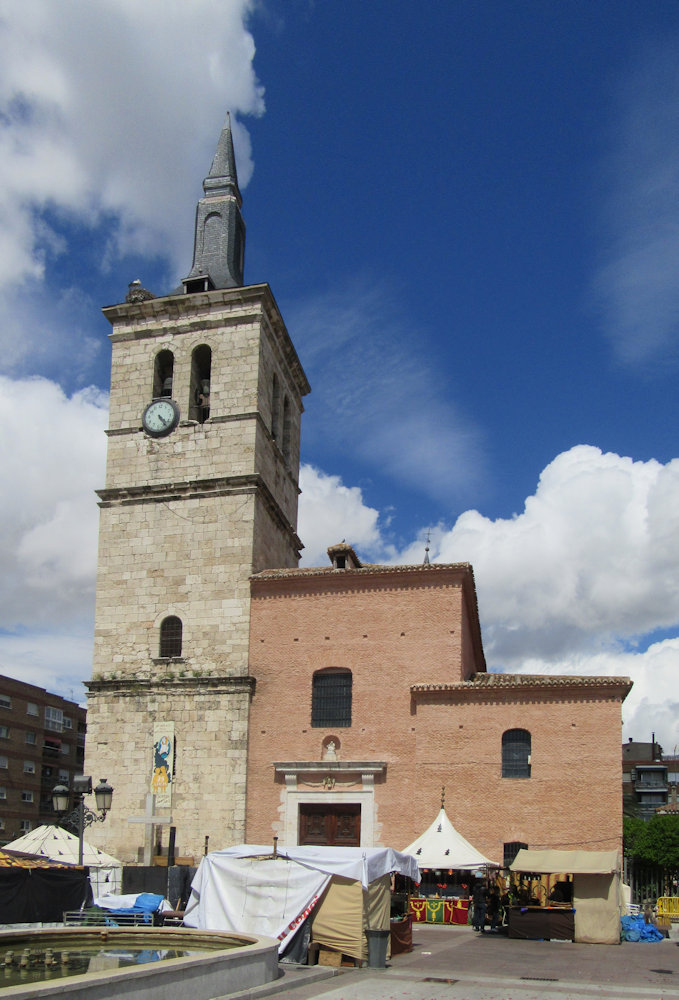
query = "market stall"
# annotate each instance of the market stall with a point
(591, 915)
(447, 862)
(337, 893)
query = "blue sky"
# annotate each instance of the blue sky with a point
(469, 216)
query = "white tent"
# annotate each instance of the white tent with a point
(441, 846)
(57, 844)
(343, 889)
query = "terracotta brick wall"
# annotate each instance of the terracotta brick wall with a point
(403, 629)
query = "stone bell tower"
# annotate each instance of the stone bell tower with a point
(201, 492)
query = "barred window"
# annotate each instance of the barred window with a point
(331, 698)
(512, 848)
(516, 745)
(171, 636)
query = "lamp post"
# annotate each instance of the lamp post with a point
(81, 816)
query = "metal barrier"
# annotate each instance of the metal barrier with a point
(95, 917)
(668, 906)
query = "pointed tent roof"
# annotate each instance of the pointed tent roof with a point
(59, 845)
(441, 846)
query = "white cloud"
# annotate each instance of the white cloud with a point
(636, 283)
(92, 100)
(330, 512)
(52, 451)
(378, 399)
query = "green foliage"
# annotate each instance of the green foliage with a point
(652, 843)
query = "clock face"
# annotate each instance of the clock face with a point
(160, 417)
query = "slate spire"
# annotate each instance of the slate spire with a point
(219, 244)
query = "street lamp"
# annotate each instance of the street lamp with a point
(81, 817)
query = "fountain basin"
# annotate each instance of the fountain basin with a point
(219, 964)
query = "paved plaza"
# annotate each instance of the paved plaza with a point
(454, 963)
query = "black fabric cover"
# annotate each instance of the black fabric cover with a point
(37, 895)
(541, 924)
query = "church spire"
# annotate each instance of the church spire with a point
(219, 243)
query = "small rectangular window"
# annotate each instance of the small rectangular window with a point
(68, 724)
(29, 767)
(32, 708)
(3, 761)
(4, 732)
(3, 793)
(30, 738)
(2, 824)
(63, 774)
(25, 825)
(54, 719)
(5, 702)
(65, 749)
(26, 796)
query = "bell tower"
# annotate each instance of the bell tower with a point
(201, 492)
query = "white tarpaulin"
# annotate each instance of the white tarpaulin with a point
(441, 846)
(246, 889)
(57, 844)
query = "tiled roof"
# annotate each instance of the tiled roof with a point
(367, 569)
(481, 681)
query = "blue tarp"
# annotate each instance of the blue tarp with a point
(636, 929)
(147, 903)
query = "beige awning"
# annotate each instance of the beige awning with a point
(573, 862)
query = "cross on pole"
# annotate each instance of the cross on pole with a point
(149, 821)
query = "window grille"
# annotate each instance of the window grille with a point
(516, 745)
(171, 636)
(331, 699)
(511, 850)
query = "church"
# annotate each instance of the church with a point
(238, 697)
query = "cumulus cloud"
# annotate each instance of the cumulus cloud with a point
(52, 451)
(92, 100)
(377, 399)
(329, 512)
(636, 284)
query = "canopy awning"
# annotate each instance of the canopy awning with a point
(573, 862)
(442, 846)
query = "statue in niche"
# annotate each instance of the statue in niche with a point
(330, 751)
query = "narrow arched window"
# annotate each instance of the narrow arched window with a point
(201, 370)
(163, 369)
(287, 430)
(331, 698)
(516, 753)
(275, 408)
(171, 636)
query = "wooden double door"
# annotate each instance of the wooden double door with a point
(330, 825)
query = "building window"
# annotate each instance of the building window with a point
(201, 369)
(29, 767)
(32, 708)
(54, 719)
(3, 762)
(30, 738)
(5, 702)
(68, 723)
(26, 796)
(511, 850)
(4, 732)
(287, 431)
(331, 698)
(2, 824)
(516, 753)
(171, 636)
(63, 775)
(163, 369)
(275, 407)
(65, 749)
(25, 825)
(3, 794)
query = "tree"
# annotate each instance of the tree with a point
(653, 843)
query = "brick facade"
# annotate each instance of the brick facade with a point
(425, 714)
